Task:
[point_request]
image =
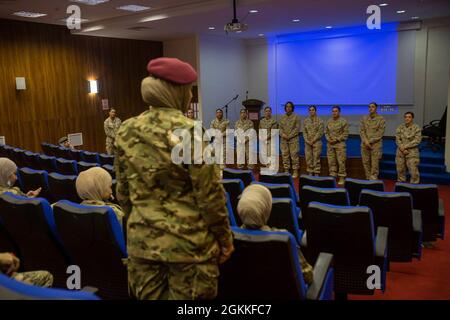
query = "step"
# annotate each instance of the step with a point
(423, 159)
(423, 167)
(442, 179)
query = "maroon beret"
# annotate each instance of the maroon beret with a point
(173, 70)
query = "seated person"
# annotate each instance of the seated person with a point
(9, 264)
(94, 186)
(254, 209)
(8, 177)
(64, 142)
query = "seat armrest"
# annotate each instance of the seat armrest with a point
(441, 208)
(381, 242)
(321, 269)
(304, 242)
(417, 220)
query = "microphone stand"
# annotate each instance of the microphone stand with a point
(226, 106)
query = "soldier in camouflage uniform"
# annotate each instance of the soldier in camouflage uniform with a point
(245, 124)
(9, 264)
(8, 177)
(313, 133)
(111, 125)
(408, 138)
(336, 133)
(219, 123)
(371, 131)
(178, 228)
(268, 123)
(290, 146)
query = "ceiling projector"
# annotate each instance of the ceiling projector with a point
(235, 27)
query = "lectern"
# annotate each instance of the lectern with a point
(253, 107)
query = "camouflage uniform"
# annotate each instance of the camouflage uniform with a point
(13, 190)
(371, 131)
(178, 220)
(221, 125)
(245, 125)
(337, 130)
(408, 137)
(111, 127)
(116, 208)
(36, 278)
(268, 124)
(290, 126)
(313, 133)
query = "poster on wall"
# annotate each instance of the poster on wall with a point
(75, 139)
(105, 104)
(2, 141)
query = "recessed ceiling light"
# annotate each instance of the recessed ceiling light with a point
(401, 11)
(253, 11)
(261, 35)
(415, 18)
(26, 14)
(295, 20)
(212, 28)
(133, 8)
(154, 18)
(383, 4)
(96, 28)
(328, 27)
(90, 2)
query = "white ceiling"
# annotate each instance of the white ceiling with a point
(185, 18)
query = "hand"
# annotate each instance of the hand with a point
(402, 150)
(284, 136)
(405, 152)
(225, 253)
(332, 142)
(34, 194)
(9, 263)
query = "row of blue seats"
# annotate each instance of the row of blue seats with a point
(77, 155)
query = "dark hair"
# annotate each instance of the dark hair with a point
(314, 107)
(243, 110)
(373, 103)
(267, 108)
(336, 107)
(287, 104)
(219, 110)
(409, 112)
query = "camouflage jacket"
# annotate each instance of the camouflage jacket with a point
(268, 124)
(337, 130)
(13, 190)
(244, 124)
(408, 137)
(313, 129)
(111, 127)
(116, 208)
(221, 125)
(290, 125)
(177, 211)
(371, 129)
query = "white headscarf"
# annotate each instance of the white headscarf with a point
(255, 206)
(93, 184)
(7, 168)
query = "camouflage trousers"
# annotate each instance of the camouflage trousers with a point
(371, 160)
(110, 148)
(312, 155)
(337, 156)
(35, 278)
(153, 280)
(247, 157)
(289, 153)
(410, 161)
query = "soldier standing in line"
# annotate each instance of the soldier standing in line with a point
(313, 133)
(111, 125)
(408, 138)
(290, 145)
(336, 133)
(245, 124)
(268, 123)
(372, 131)
(219, 123)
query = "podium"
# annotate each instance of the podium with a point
(253, 107)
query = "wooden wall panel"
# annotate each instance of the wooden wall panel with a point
(57, 66)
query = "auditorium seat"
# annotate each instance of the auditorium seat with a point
(83, 166)
(31, 160)
(66, 167)
(335, 196)
(319, 182)
(280, 178)
(280, 191)
(94, 240)
(246, 176)
(106, 159)
(17, 157)
(31, 225)
(355, 186)
(110, 170)
(234, 188)
(31, 179)
(426, 199)
(48, 149)
(394, 211)
(231, 213)
(265, 266)
(284, 215)
(64, 153)
(90, 157)
(348, 234)
(7, 243)
(63, 187)
(46, 163)
(15, 290)
(75, 155)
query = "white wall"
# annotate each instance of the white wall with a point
(223, 75)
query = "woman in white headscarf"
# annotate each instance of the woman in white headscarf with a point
(254, 209)
(94, 186)
(8, 177)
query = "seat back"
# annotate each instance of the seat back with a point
(280, 178)
(66, 167)
(245, 175)
(319, 182)
(355, 186)
(110, 170)
(34, 179)
(334, 196)
(63, 187)
(47, 163)
(90, 157)
(75, 155)
(106, 159)
(93, 237)
(64, 153)
(264, 265)
(231, 214)
(280, 190)
(394, 211)
(348, 234)
(31, 160)
(31, 225)
(83, 166)
(426, 199)
(234, 188)
(283, 216)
